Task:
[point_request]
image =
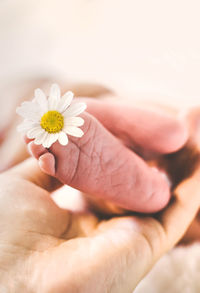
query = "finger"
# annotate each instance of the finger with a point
(100, 165)
(147, 236)
(47, 163)
(193, 232)
(35, 150)
(179, 215)
(28, 212)
(88, 90)
(169, 226)
(145, 130)
(130, 245)
(29, 170)
(193, 118)
(12, 150)
(116, 250)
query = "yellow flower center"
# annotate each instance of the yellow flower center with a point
(52, 121)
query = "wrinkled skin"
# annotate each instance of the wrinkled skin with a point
(102, 165)
(47, 249)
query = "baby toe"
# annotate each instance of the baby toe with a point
(47, 163)
(36, 150)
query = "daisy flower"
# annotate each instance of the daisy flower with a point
(52, 119)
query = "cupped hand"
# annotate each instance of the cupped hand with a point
(48, 249)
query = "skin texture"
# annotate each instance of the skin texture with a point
(48, 249)
(101, 165)
(54, 242)
(179, 165)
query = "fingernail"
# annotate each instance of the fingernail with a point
(164, 175)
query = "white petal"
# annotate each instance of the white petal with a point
(29, 106)
(65, 101)
(54, 137)
(75, 109)
(40, 94)
(52, 103)
(40, 138)
(50, 139)
(26, 125)
(55, 91)
(46, 139)
(30, 111)
(23, 127)
(74, 131)
(74, 121)
(54, 97)
(35, 132)
(63, 139)
(41, 99)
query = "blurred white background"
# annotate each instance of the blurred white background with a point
(145, 47)
(148, 49)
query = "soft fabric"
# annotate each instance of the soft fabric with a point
(176, 272)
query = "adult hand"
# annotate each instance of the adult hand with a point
(48, 249)
(179, 165)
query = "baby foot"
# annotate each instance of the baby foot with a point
(100, 165)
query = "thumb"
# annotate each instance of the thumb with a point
(140, 129)
(30, 171)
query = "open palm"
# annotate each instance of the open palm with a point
(48, 249)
